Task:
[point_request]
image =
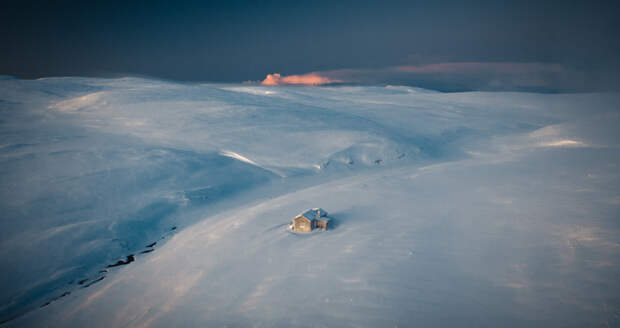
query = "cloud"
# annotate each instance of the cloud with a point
(495, 75)
(452, 76)
(313, 78)
(480, 67)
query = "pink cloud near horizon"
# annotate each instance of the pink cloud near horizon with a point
(448, 75)
(304, 79)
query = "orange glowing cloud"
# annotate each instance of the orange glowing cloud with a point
(304, 79)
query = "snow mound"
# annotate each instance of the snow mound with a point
(371, 153)
(91, 101)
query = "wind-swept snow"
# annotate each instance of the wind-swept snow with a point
(133, 202)
(237, 156)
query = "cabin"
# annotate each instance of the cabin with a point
(309, 220)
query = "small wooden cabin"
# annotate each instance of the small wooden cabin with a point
(309, 220)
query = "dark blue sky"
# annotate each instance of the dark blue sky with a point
(234, 41)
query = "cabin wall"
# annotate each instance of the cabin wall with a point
(321, 224)
(302, 225)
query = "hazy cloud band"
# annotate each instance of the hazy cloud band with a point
(452, 76)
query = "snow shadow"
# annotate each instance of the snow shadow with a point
(339, 219)
(351, 216)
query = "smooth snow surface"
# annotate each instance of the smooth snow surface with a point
(143, 203)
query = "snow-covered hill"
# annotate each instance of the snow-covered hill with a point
(479, 209)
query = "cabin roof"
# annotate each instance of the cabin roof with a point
(313, 214)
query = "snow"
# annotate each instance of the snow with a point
(238, 157)
(483, 209)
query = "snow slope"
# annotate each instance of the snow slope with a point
(485, 209)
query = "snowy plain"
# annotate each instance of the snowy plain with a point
(449, 209)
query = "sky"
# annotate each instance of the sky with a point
(444, 45)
